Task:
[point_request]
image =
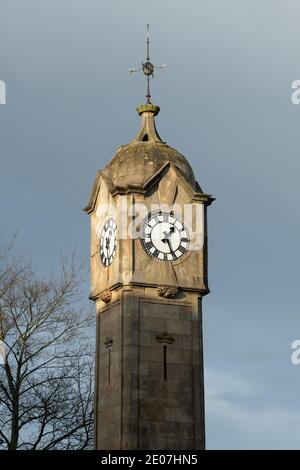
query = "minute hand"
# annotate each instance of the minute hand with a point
(167, 238)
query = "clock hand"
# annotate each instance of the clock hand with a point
(172, 230)
(167, 238)
(170, 245)
(107, 242)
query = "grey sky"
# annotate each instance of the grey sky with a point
(225, 104)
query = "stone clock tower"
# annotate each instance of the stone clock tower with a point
(148, 277)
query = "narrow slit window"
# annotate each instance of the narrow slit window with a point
(108, 344)
(165, 339)
(109, 361)
(165, 363)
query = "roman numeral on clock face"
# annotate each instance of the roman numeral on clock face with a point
(149, 245)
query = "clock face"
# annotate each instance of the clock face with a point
(164, 236)
(108, 242)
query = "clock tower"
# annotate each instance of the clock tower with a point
(148, 278)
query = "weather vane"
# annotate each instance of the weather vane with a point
(147, 68)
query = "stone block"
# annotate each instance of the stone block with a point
(152, 409)
(151, 353)
(187, 431)
(179, 356)
(144, 368)
(179, 327)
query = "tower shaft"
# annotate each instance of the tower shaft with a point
(149, 392)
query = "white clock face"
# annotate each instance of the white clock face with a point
(108, 242)
(164, 236)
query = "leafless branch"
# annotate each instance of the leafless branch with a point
(46, 382)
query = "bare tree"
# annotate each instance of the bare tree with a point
(46, 376)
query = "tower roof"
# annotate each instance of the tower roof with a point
(138, 163)
(135, 163)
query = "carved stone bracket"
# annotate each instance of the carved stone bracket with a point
(106, 296)
(108, 342)
(165, 338)
(167, 292)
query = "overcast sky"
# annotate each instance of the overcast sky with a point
(225, 103)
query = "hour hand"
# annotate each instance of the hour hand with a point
(167, 239)
(107, 242)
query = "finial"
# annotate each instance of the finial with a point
(147, 67)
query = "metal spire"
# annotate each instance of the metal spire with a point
(147, 67)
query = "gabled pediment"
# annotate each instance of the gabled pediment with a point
(171, 176)
(95, 190)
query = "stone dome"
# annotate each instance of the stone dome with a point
(134, 164)
(137, 164)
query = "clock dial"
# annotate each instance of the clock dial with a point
(164, 236)
(108, 242)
